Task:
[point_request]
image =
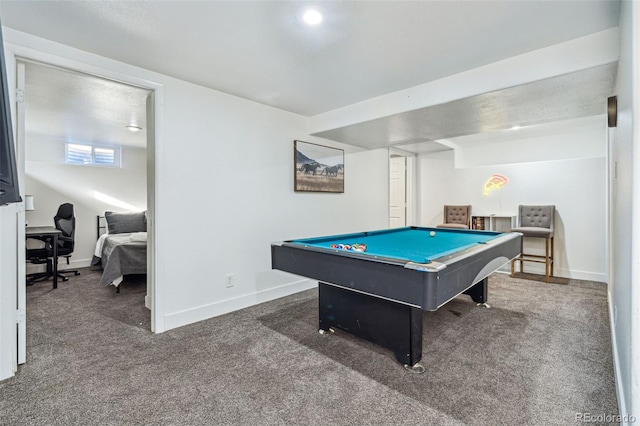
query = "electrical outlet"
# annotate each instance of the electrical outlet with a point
(230, 281)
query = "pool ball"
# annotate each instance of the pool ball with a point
(432, 233)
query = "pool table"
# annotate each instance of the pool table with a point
(378, 289)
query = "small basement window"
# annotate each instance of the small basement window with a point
(90, 155)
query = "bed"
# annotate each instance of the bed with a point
(121, 248)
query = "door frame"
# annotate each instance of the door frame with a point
(20, 136)
(103, 68)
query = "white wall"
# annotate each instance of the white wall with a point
(575, 185)
(228, 171)
(624, 296)
(52, 182)
(562, 140)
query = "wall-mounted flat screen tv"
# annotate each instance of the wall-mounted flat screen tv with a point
(9, 192)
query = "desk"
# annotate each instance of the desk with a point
(379, 294)
(43, 232)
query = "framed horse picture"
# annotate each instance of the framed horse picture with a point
(317, 168)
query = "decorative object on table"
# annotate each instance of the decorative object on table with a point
(457, 217)
(28, 203)
(28, 206)
(317, 168)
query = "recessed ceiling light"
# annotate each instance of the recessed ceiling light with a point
(133, 127)
(312, 17)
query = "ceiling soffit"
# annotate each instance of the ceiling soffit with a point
(578, 94)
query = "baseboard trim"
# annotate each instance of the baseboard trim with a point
(82, 263)
(622, 407)
(189, 316)
(566, 273)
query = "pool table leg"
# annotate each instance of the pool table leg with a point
(389, 324)
(479, 292)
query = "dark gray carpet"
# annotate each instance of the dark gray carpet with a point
(540, 355)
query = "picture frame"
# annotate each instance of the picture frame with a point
(317, 168)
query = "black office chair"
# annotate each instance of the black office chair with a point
(65, 221)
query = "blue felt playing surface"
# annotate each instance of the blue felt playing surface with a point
(411, 244)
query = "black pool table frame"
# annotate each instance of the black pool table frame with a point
(381, 299)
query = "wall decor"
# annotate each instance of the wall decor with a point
(317, 168)
(496, 181)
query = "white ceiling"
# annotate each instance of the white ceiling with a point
(261, 50)
(74, 107)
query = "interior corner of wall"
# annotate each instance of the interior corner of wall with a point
(458, 158)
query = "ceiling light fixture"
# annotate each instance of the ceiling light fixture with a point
(133, 127)
(312, 17)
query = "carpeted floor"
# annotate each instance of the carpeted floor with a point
(539, 356)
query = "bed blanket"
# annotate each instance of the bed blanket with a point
(122, 256)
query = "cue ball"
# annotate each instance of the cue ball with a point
(432, 233)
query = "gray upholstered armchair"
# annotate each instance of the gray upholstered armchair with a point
(536, 222)
(458, 217)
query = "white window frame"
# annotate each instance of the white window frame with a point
(117, 155)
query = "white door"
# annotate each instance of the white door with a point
(397, 191)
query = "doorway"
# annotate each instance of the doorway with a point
(401, 187)
(81, 108)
